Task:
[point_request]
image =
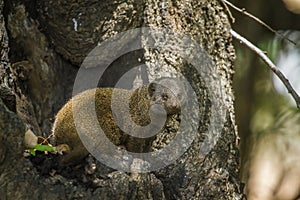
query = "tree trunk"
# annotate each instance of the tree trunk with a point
(49, 40)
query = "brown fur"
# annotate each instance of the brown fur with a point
(140, 101)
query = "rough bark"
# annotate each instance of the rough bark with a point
(48, 38)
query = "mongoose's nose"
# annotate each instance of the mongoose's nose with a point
(175, 106)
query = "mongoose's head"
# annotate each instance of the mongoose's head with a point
(168, 92)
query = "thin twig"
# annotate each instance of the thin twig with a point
(243, 11)
(50, 136)
(272, 66)
(228, 11)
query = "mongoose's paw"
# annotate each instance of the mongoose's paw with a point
(62, 149)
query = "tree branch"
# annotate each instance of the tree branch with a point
(272, 66)
(243, 11)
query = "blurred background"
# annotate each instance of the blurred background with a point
(260, 97)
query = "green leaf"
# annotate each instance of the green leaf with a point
(32, 152)
(41, 147)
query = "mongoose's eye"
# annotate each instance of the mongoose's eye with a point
(179, 96)
(164, 97)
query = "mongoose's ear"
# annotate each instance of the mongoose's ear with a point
(151, 88)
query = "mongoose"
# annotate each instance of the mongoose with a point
(167, 92)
